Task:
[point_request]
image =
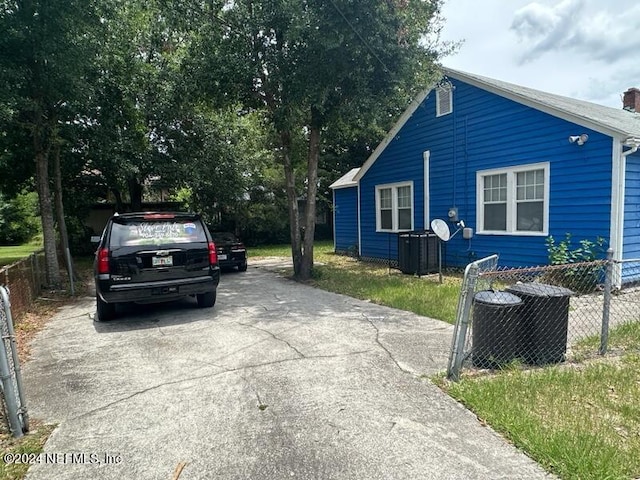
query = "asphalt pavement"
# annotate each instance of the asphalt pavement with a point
(277, 381)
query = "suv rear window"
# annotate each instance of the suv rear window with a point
(141, 232)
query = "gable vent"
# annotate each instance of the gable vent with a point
(444, 101)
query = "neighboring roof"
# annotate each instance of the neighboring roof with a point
(616, 122)
(346, 180)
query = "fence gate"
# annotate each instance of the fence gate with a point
(13, 403)
(542, 315)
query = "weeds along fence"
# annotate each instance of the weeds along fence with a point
(541, 315)
(14, 410)
(25, 279)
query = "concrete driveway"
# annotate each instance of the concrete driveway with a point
(277, 381)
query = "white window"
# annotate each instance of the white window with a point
(394, 207)
(444, 101)
(514, 200)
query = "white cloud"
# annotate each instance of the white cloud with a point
(576, 26)
(587, 49)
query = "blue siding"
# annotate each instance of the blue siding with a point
(488, 131)
(346, 218)
(631, 246)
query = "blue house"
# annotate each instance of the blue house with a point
(514, 164)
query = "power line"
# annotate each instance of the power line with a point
(362, 39)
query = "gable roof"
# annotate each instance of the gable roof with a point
(617, 123)
(346, 180)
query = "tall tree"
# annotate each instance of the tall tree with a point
(43, 52)
(311, 63)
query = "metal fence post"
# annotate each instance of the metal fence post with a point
(463, 315)
(17, 372)
(606, 304)
(10, 394)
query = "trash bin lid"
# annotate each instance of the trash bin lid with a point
(495, 297)
(539, 290)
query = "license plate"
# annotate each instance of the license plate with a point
(222, 257)
(162, 261)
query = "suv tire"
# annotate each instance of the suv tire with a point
(242, 267)
(104, 311)
(206, 300)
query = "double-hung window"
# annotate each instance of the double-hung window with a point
(514, 200)
(394, 207)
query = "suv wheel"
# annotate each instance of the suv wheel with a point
(206, 300)
(104, 311)
(242, 267)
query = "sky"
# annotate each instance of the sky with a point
(584, 49)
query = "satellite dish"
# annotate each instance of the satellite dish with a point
(441, 229)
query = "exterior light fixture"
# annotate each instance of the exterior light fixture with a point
(579, 139)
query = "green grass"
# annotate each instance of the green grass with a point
(12, 254)
(579, 421)
(623, 337)
(273, 251)
(378, 284)
(31, 443)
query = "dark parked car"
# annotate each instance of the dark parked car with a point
(151, 257)
(231, 251)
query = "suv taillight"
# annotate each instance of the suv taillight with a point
(213, 255)
(103, 260)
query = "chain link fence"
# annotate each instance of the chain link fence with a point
(541, 315)
(25, 278)
(14, 410)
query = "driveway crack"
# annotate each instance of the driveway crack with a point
(383, 347)
(211, 375)
(275, 337)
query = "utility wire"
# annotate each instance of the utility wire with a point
(362, 39)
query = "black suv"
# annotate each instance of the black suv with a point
(231, 251)
(149, 257)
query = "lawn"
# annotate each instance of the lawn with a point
(9, 255)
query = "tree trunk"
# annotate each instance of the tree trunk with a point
(62, 224)
(135, 194)
(118, 196)
(312, 190)
(292, 197)
(46, 215)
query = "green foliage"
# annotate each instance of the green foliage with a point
(581, 278)
(19, 222)
(564, 252)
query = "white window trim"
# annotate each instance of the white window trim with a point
(511, 203)
(439, 92)
(394, 206)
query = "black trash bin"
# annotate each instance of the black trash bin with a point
(496, 328)
(418, 252)
(544, 322)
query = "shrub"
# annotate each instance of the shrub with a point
(582, 278)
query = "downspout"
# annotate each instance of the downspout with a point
(618, 200)
(359, 224)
